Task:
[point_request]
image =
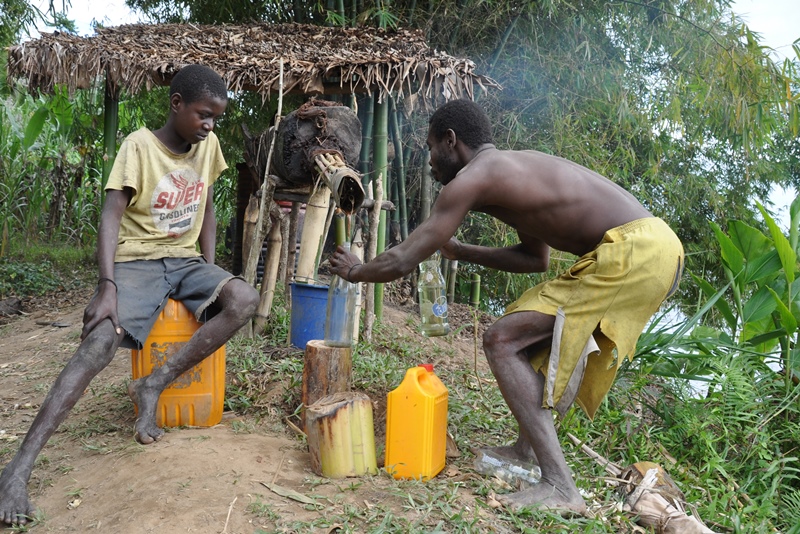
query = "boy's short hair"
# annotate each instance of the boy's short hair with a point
(194, 82)
(466, 119)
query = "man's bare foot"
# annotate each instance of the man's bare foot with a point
(15, 508)
(545, 496)
(146, 401)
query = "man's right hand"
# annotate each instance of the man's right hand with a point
(102, 306)
(452, 249)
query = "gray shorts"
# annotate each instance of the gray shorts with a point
(145, 286)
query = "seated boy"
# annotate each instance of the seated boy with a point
(158, 208)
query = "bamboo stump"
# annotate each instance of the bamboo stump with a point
(341, 436)
(326, 370)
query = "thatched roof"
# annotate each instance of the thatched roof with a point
(316, 60)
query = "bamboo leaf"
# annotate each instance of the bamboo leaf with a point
(289, 493)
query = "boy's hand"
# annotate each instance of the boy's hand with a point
(102, 306)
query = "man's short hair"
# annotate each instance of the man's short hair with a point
(194, 82)
(466, 119)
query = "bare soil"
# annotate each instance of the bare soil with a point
(93, 477)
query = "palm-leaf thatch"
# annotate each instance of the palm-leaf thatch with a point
(316, 60)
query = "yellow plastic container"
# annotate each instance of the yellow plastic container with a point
(416, 425)
(196, 397)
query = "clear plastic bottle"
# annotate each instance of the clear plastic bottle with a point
(341, 312)
(514, 473)
(432, 298)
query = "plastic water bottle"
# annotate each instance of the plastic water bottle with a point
(341, 313)
(517, 472)
(432, 298)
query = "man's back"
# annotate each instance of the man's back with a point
(549, 198)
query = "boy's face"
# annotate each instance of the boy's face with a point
(193, 122)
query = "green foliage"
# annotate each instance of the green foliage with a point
(23, 279)
(741, 429)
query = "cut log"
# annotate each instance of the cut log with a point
(326, 370)
(341, 436)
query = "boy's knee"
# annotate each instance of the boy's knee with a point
(244, 299)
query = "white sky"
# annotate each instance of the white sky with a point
(778, 21)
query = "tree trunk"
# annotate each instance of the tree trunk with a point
(326, 370)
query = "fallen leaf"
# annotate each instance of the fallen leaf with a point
(289, 493)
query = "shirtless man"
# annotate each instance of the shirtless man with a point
(629, 262)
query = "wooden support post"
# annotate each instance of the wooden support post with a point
(326, 370)
(341, 436)
(269, 278)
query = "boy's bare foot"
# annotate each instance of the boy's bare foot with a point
(545, 496)
(146, 401)
(15, 507)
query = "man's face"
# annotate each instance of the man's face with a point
(444, 161)
(195, 121)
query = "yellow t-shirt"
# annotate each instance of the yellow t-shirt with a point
(165, 215)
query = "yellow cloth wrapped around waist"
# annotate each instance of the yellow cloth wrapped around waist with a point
(602, 303)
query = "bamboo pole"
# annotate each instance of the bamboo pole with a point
(267, 190)
(313, 226)
(425, 190)
(400, 174)
(110, 126)
(381, 164)
(369, 303)
(291, 255)
(366, 139)
(270, 277)
(475, 290)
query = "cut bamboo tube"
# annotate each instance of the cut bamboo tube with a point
(341, 436)
(312, 236)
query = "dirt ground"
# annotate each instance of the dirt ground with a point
(93, 477)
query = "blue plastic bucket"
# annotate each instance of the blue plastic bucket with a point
(309, 305)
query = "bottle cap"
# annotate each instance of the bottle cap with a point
(427, 366)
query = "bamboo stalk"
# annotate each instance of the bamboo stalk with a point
(400, 175)
(270, 277)
(475, 291)
(267, 190)
(381, 163)
(110, 126)
(369, 305)
(366, 139)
